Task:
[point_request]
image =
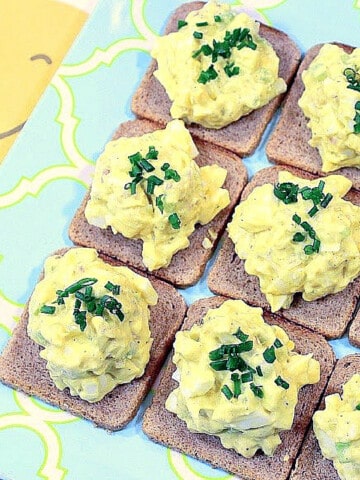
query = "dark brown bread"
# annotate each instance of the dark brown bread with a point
(329, 315)
(354, 331)
(243, 136)
(22, 368)
(311, 465)
(288, 144)
(166, 428)
(187, 265)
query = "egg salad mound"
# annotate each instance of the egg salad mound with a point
(93, 321)
(216, 67)
(337, 429)
(298, 236)
(238, 378)
(150, 188)
(331, 102)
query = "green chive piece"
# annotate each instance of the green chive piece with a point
(202, 24)
(217, 18)
(232, 363)
(269, 354)
(160, 203)
(174, 221)
(84, 282)
(257, 390)
(259, 371)
(298, 237)
(216, 354)
(245, 347)
(278, 343)
(115, 289)
(313, 211)
(231, 70)
(135, 158)
(48, 309)
(286, 192)
(239, 334)
(282, 383)
(247, 377)
(237, 384)
(181, 24)
(198, 35)
(309, 250)
(316, 245)
(207, 75)
(218, 365)
(327, 199)
(227, 392)
(357, 406)
(152, 182)
(146, 165)
(152, 153)
(296, 219)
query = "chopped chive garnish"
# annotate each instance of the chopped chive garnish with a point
(327, 199)
(115, 289)
(309, 250)
(48, 309)
(135, 158)
(227, 392)
(160, 203)
(269, 354)
(357, 406)
(241, 335)
(216, 354)
(84, 282)
(286, 192)
(231, 70)
(298, 237)
(232, 363)
(296, 219)
(152, 153)
(202, 24)
(313, 211)
(278, 343)
(198, 35)
(353, 78)
(217, 18)
(259, 371)
(152, 182)
(174, 221)
(237, 384)
(146, 165)
(181, 23)
(282, 383)
(247, 377)
(207, 75)
(257, 390)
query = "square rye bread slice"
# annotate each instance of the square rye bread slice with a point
(23, 369)
(243, 136)
(166, 428)
(311, 465)
(288, 143)
(329, 315)
(186, 266)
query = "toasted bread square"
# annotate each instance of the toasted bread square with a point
(243, 136)
(288, 143)
(329, 315)
(23, 369)
(186, 266)
(311, 465)
(354, 331)
(166, 428)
